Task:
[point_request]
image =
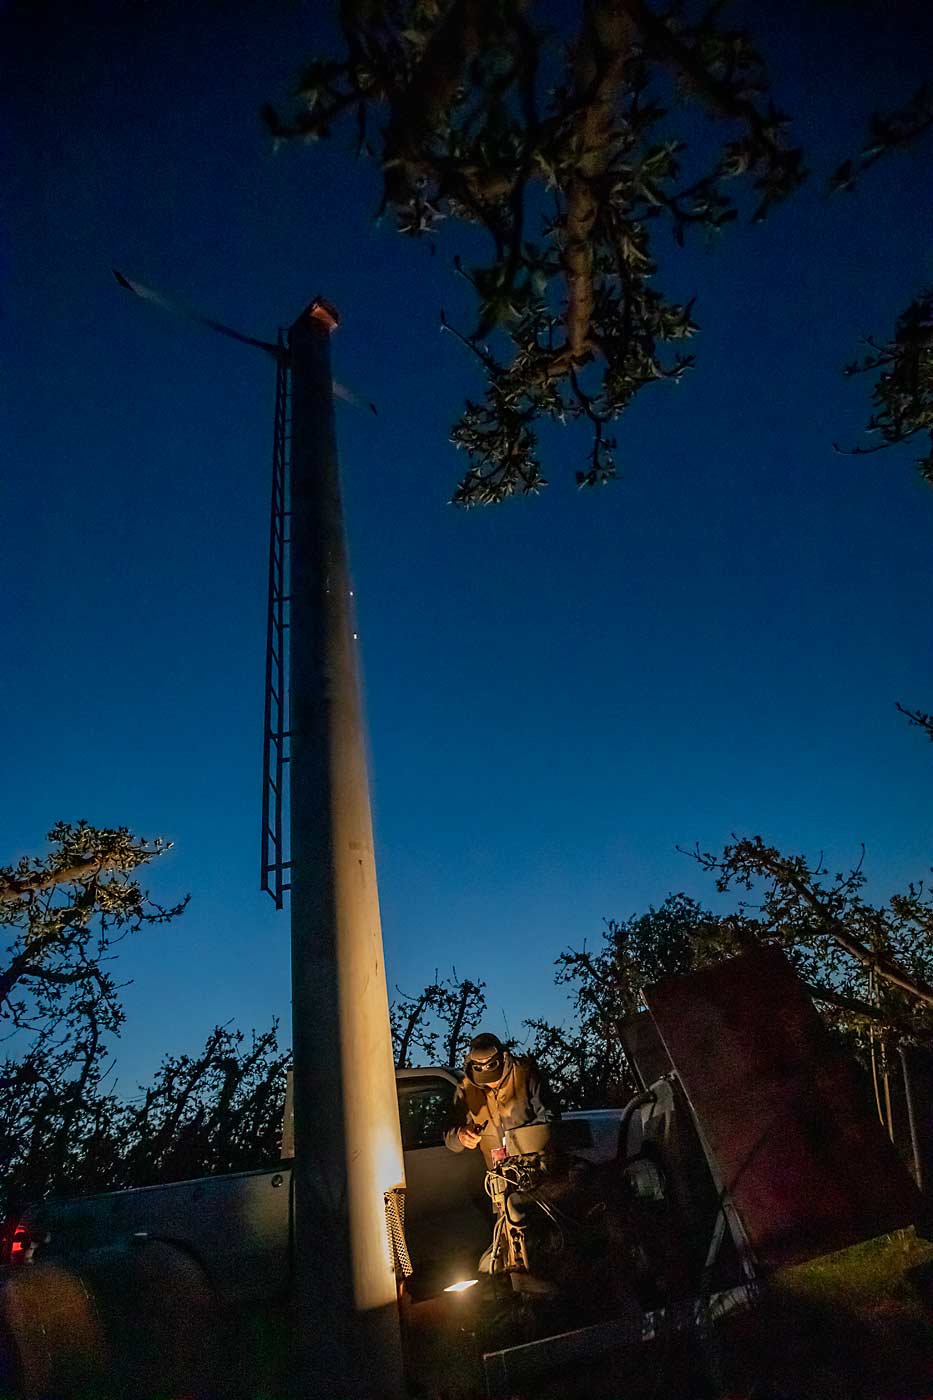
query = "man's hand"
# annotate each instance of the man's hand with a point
(469, 1136)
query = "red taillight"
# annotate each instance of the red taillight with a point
(17, 1242)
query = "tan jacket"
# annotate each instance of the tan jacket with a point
(520, 1098)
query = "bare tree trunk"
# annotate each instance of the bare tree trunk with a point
(411, 1026)
(457, 1023)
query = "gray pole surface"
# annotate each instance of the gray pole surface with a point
(348, 1149)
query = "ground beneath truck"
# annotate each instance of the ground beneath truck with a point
(853, 1326)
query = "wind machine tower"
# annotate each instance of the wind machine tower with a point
(317, 844)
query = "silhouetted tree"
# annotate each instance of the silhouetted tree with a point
(216, 1112)
(903, 391)
(869, 967)
(414, 1032)
(60, 1009)
(585, 1061)
(920, 718)
(569, 137)
(437, 1024)
(62, 1128)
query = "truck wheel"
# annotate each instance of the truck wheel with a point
(51, 1340)
(135, 1321)
(159, 1312)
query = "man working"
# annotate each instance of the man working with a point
(498, 1091)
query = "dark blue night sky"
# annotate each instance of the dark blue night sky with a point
(559, 691)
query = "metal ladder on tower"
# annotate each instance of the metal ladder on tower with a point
(275, 854)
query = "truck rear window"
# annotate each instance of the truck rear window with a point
(424, 1111)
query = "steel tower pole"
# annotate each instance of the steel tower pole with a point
(348, 1149)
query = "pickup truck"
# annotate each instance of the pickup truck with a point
(185, 1270)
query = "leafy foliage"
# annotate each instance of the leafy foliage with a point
(587, 1064)
(59, 1002)
(62, 1127)
(215, 1112)
(879, 960)
(903, 392)
(888, 132)
(566, 149)
(868, 968)
(919, 718)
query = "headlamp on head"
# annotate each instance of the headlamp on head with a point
(486, 1059)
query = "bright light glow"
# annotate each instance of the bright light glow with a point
(462, 1286)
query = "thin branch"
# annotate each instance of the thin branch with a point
(919, 718)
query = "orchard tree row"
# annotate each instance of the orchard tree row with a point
(64, 1128)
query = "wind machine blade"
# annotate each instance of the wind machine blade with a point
(188, 313)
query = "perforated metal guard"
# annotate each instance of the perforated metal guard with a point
(395, 1224)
